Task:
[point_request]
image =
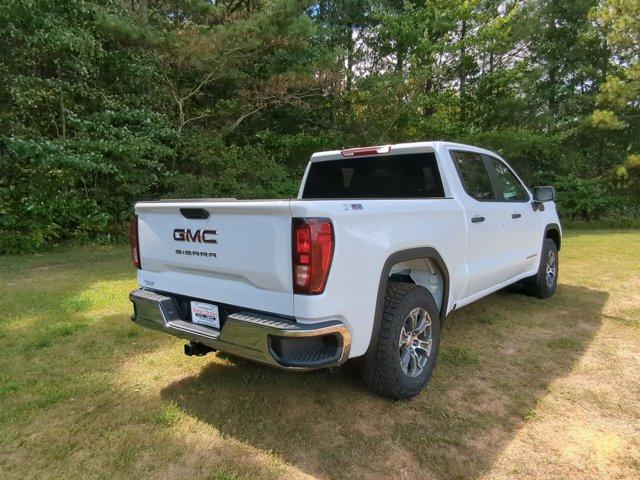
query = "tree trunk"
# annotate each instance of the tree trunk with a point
(181, 124)
(63, 113)
(399, 59)
(143, 11)
(462, 75)
(349, 59)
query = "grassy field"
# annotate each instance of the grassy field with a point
(524, 388)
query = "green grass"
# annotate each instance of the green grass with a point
(524, 388)
(564, 343)
(459, 357)
(168, 414)
(224, 476)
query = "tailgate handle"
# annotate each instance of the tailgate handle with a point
(194, 213)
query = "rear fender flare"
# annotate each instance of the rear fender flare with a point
(403, 256)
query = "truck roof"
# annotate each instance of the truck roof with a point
(409, 147)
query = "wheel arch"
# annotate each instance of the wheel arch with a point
(404, 256)
(552, 231)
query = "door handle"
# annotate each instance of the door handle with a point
(477, 219)
(516, 215)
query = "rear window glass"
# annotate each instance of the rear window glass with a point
(395, 176)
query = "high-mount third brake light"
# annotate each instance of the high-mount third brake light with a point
(135, 244)
(313, 243)
(361, 152)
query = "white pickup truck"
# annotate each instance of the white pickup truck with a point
(379, 246)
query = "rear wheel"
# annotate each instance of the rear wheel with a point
(544, 283)
(402, 360)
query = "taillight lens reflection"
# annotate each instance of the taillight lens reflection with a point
(313, 241)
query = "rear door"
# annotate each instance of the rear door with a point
(489, 242)
(229, 252)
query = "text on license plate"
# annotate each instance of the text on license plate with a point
(205, 314)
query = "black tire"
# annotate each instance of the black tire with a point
(381, 369)
(542, 285)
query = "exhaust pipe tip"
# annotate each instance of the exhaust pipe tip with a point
(196, 349)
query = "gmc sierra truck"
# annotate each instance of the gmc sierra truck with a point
(379, 246)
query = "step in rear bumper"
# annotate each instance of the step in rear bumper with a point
(262, 338)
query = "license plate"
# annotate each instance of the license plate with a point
(205, 314)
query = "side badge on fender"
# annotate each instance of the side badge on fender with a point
(352, 206)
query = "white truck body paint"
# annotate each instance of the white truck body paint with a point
(252, 267)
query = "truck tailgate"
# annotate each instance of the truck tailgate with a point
(239, 255)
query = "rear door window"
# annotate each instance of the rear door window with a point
(473, 175)
(391, 176)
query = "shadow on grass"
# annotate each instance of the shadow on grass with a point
(498, 358)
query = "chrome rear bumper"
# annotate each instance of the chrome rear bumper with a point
(262, 338)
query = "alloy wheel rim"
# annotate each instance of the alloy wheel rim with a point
(551, 269)
(416, 341)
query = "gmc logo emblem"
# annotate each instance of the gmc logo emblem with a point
(199, 236)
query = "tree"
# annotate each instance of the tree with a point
(106, 102)
(619, 97)
(226, 62)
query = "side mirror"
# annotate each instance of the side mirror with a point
(544, 194)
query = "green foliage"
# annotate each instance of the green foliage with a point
(585, 199)
(106, 103)
(620, 93)
(234, 172)
(81, 187)
(537, 158)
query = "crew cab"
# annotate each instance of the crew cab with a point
(380, 245)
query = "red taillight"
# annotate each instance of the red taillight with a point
(135, 246)
(312, 253)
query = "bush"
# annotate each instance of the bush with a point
(84, 188)
(626, 218)
(584, 200)
(81, 187)
(231, 171)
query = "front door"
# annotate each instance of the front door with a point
(521, 222)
